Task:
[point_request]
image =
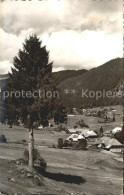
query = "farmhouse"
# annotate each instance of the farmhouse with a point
(114, 146)
(89, 134)
(110, 144)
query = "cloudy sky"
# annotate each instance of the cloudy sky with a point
(79, 33)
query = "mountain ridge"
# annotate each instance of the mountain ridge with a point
(105, 77)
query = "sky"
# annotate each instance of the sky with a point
(80, 34)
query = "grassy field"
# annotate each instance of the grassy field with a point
(101, 171)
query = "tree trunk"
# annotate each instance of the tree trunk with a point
(31, 148)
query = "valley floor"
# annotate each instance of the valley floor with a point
(101, 171)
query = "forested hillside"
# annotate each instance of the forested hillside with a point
(65, 74)
(106, 77)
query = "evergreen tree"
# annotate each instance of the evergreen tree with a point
(101, 132)
(114, 117)
(32, 72)
(60, 113)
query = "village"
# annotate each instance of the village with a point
(88, 137)
(107, 134)
(77, 147)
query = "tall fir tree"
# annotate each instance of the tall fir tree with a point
(32, 72)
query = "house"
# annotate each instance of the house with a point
(89, 134)
(77, 142)
(114, 146)
(75, 137)
(111, 144)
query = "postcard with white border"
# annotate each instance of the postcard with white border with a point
(61, 97)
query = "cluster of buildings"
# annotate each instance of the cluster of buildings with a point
(94, 141)
(103, 113)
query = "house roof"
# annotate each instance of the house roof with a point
(109, 142)
(81, 137)
(89, 133)
(113, 142)
(81, 130)
(75, 137)
(105, 140)
(97, 142)
(72, 130)
(116, 130)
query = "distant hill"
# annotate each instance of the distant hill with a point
(106, 77)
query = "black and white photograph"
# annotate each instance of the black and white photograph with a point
(61, 97)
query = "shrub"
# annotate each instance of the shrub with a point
(67, 143)
(82, 124)
(26, 155)
(36, 125)
(41, 163)
(81, 145)
(24, 141)
(59, 129)
(53, 146)
(38, 160)
(75, 126)
(3, 139)
(60, 143)
(36, 154)
(54, 129)
(67, 131)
